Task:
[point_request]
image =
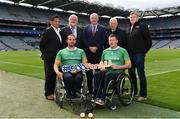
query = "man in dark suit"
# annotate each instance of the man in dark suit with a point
(94, 36)
(72, 28)
(138, 44)
(120, 34)
(51, 42)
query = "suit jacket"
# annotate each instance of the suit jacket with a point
(50, 44)
(67, 31)
(96, 40)
(139, 40)
(121, 35)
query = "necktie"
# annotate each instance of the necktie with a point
(73, 31)
(93, 30)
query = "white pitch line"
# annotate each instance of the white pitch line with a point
(18, 64)
(163, 72)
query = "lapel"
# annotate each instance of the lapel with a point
(69, 30)
(55, 36)
(54, 32)
(79, 32)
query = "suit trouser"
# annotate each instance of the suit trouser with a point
(73, 82)
(50, 77)
(94, 59)
(138, 61)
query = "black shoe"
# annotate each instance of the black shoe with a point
(76, 96)
(69, 96)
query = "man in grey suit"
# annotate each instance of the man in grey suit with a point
(94, 36)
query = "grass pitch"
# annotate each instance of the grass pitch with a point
(162, 70)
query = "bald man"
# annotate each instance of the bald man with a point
(120, 34)
(73, 28)
(94, 36)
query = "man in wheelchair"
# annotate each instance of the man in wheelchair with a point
(119, 62)
(71, 55)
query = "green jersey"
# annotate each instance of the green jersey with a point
(71, 57)
(118, 56)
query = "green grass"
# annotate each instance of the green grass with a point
(164, 90)
(22, 62)
(162, 69)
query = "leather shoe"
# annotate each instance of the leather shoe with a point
(141, 98)
(50, 97)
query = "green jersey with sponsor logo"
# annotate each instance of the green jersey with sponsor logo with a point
(118, 56)
(71, 57)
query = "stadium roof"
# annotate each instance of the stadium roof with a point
(84, 6)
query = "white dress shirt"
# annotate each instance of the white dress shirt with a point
(57, 30)
(74, 30)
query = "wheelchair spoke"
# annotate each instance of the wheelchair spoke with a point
(126, 90)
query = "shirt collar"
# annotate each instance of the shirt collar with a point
(56, 29)
(114, 48)
(71, 49)
(94, 25)
(75, 27)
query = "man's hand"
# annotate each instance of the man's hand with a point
(60, 75)
(93, 49)
(113, 66)
(102, 68)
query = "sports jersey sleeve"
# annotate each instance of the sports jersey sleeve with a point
(58, 56)
(126, 55)
(84, 58)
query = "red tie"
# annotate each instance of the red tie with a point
(94, 30)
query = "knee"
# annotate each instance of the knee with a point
(67, 76)
(79, 76)
(108, 76)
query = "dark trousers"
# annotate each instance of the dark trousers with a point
(93, 59)
(101, 81)
(89, 75)
(50, 77)
(138, 61)
(73, 82)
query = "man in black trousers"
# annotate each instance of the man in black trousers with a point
(72, 28)
(94, 36)
(120, 34)
(51, 42)
(138, 44)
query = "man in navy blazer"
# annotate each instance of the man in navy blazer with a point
(72, 28)
(94, 36)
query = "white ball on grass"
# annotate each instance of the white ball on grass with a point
(90, 115)
(82, 115)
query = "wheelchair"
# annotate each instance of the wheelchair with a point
(119, 91)
(78, 105)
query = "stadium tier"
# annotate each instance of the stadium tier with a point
(21, 27)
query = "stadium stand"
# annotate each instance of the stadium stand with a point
(3, 47)
(15, 43)
(21, 26)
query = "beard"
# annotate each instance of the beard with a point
(71, 45)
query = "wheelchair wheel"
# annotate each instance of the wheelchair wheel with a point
(110, 101)
(125, 89)
(59, 93)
